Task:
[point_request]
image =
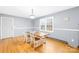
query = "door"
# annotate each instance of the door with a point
(7, 27)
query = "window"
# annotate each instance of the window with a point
(42, 24)
(46, 24)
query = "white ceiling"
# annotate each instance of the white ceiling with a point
(24, 11)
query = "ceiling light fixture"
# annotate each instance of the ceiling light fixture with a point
(32, 16)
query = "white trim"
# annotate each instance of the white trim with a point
(24, 27)
(66, 29)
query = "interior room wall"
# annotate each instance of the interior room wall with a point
(66, 25)
(14, 26)
(36, 25)
(22, 25)
(63, 26)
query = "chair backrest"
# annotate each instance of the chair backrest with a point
(29, 37)
(37, 33)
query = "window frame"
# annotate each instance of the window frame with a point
(45, 20)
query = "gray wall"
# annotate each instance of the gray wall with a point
(36, 25)
(14, 26)
(66, 25)
(21, 26)
(61, 23)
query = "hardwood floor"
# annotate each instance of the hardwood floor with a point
(18, 44)
(15, 45)
(55, 46)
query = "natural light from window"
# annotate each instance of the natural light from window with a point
(47, 24)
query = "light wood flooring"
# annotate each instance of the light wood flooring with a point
(18, 45)
(55, 46)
